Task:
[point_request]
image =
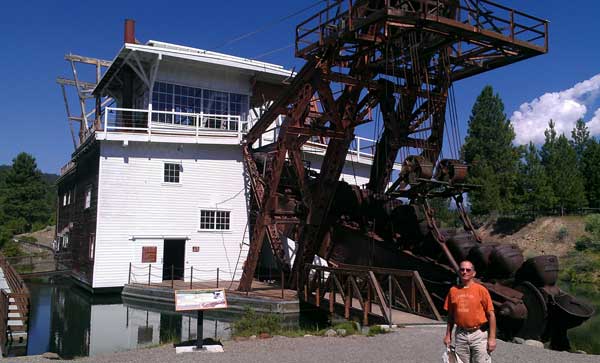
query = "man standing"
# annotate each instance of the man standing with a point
(470, 307)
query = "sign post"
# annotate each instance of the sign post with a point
(200, 300)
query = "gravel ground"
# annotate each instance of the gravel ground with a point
(415, 344)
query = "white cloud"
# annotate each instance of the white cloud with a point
(564, 108)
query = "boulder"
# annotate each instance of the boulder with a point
(341, 332)
(330, 333)
(534, 343)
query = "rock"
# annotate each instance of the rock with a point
(307, 335)
(579, 351)
(330, 333)
(534, 343)
(518, 340)
(264, 335)
(50, 355)
(252, 337)
(341, 332)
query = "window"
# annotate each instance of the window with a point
(65, 240)
(172, 172)
(88, 197)
(214, 220)
(92, 245)
(64, 199)
(177, 98)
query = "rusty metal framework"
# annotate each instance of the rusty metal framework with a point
(394, 58)
(394, 61)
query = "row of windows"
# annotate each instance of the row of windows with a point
(171, 97)
(69, 197)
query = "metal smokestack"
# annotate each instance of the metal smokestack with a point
(129, 35)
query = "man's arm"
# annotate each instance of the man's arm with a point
(491, 345)
(449, 327)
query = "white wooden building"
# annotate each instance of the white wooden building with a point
(161, 180)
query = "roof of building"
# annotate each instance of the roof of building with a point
(267, 72)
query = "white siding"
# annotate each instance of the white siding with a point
(214, 78)
(137, 209)
(133, 201)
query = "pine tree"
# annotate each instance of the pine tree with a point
(534, 187)
(492, 158)
(580, 138)
(590, 166)
(24, 194)
(560, 162)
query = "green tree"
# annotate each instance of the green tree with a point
(590, 168)
(534, 188)
(580, 136)
(560, 162)
(489, 151)
(24, 194)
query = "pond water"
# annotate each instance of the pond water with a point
(71, 322)
(586, 337)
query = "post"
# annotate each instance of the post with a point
(129, 277)
(106, 111)
(199, 328)
(217, 277)
(282, 284)
(391, 298)
(191, 276)
(318, 296)
(150, 118)
(149, 269)
(172, 275)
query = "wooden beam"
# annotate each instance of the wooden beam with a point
(87, 60)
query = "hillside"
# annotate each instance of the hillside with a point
(545, 235)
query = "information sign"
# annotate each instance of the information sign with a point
(200, 299)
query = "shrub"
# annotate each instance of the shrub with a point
(12, 249)
(585, 243)
(252, 323)
(562, 233)
(376, 330)
(592, 225)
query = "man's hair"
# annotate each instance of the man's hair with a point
(469, 262)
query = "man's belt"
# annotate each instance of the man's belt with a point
(470, 329)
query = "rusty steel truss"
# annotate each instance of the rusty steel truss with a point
(395, 58)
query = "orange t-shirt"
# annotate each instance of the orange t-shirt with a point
(468, 305)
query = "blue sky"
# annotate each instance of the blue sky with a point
(35, 35)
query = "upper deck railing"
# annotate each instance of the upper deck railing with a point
(480, 17)
(150, 122)
(170, 122)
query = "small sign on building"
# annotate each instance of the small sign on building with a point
(148, 254)
(200, 299)
(195, 248)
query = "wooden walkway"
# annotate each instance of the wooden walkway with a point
(260, 289)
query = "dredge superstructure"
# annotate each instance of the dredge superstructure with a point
(393, 63)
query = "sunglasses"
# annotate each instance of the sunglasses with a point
(465, 269)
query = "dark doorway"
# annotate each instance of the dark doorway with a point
(173, 259)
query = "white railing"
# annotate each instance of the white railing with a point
(153, 122)
(170, 122)
(362, 148)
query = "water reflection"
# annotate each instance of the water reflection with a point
(71, 322)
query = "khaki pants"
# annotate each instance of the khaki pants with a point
(472, 347)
